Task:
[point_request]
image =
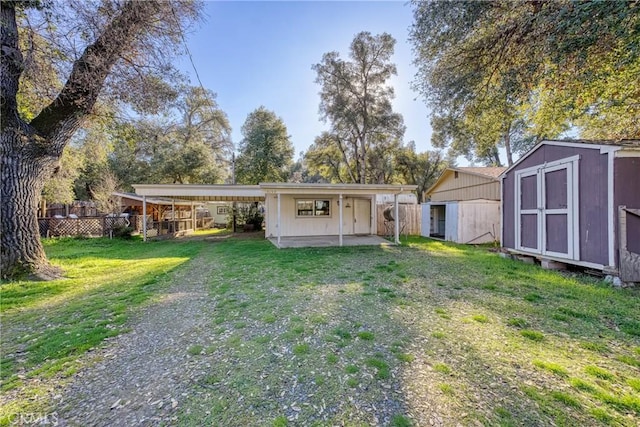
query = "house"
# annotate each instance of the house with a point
(576, 202)
(464, 205)
(294, 210)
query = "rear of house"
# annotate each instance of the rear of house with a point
(464, 205)
(575, 202)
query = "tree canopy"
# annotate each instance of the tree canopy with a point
(108, 48)
(355, 99)
(506, 73)
(266, 151)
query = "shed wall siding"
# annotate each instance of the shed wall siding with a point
(478, 222)
(465, 187)
(592, 198)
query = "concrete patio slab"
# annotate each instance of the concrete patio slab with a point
(326, 241)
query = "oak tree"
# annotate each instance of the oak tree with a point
(355, 99)
(117, 36)
(496, 70)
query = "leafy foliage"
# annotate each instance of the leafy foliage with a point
(157, 149)
(356, 101)
(266, 152)
(498, 73)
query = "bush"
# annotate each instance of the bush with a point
(121, 231)
(248, 215)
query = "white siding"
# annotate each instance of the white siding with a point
(307, 226)
(451, 226)
(478, 221)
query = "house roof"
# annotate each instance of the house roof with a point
(258, 192)
(602, 145)
(492, 173)
(306, 188)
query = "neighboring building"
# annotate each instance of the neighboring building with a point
(464, 205)
(296, 210)
(577, 202)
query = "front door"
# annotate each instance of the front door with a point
(546, 210)
(361, 216)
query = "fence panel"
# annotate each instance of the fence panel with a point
(56, 227)
(410, 220)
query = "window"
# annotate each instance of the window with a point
(311, 208)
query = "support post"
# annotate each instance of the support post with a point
(194, 220)
(374, 216)
(144, 218)
(278, 221)
(340, 224)
(396, 218)
(173, 215)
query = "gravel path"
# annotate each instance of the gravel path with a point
(141, 378)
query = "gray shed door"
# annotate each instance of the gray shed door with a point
(547, 209)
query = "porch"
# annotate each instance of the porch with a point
(325, 241)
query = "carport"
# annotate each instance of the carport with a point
(318, 214)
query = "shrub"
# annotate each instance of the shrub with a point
(121, 231)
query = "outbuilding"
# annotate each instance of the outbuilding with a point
(464, 205)
(576, 202)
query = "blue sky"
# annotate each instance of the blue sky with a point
(261, 53)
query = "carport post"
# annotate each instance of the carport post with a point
(194, 220)
(144, 218)
(396, 217)
(278, 224)
(340, 225)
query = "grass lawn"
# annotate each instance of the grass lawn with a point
(425, 332)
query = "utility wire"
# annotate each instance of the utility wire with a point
(212, 102)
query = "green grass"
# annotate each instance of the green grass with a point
(301, 349)
(195, 350)
(104, 281)
(442, 368)
(335, 332)
(532, 335)
(554, 368)
(365, 335)
(599, 372)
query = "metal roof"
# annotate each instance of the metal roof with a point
(254, 193)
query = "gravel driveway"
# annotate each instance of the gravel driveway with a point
(141, 377)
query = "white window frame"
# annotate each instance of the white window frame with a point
(313, 201)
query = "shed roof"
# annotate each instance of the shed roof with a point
(602, 145)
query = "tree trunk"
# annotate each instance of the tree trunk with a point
(30, 152)
(23, 178)
(507, 145)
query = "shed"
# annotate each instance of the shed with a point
(576, 202)
(464, 205)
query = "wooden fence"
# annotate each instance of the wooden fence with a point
(410, 220)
